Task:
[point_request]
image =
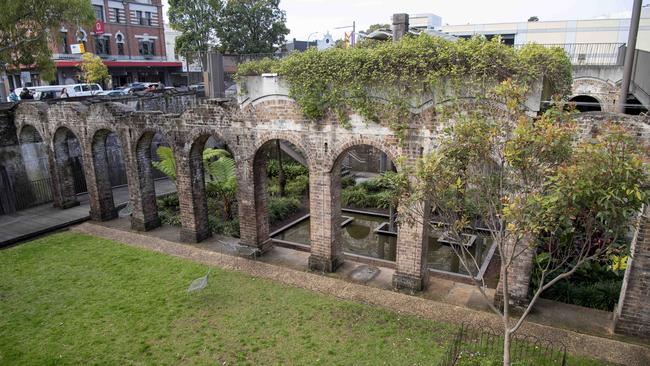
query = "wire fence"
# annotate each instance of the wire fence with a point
(482, 345)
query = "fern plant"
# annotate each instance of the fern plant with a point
(167, 163)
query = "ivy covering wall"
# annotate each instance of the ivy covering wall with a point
(340, 80)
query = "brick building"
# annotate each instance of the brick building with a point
(132, 45)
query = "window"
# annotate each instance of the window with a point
(146, 48)
(120, 49)
(147, 18)
(102, 46)
(138, 15)
(99, 12)
(64, 43)
(77, 89)
(117, 15)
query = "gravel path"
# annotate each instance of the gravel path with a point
(610, 350)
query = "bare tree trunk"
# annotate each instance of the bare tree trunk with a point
(506, 347)
(282, 181)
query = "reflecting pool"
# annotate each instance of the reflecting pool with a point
(359, 238)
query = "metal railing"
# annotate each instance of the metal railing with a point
(33, 193)
(241, 58)
(597, 54)
(478, 344)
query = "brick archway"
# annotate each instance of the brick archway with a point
(102, 204)
(61, 168)
(142, 188)
(252, 196)
(605, 92)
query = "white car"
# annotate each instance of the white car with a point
(81, 90)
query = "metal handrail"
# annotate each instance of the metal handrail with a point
(590, 53)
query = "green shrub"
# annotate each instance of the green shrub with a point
(355, 196)
(169, 201)
(221, 227)
(348, 181)
(280, 208)
(292, 169)
(170, 217)
(297, 186)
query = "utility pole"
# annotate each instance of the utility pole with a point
(629, 56)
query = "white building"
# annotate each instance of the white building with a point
(593, 31)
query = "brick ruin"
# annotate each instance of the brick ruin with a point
(246, 129)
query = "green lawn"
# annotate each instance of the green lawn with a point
(76, 299)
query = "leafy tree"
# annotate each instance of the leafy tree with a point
(93, 70)
(533, 186)
(251, 26)
(374, 27)
(197, 20)
(26, 26)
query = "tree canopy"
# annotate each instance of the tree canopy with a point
(26, 26)
(251, 26)
(235, 26)
(196, 20)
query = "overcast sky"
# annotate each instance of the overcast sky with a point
(307, 16)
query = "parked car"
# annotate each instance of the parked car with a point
(42, 92)
(112, 93)
(82, 90)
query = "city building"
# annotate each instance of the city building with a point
(189, 73)
(131, 44)
(592, 31)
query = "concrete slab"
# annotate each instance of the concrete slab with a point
(41, 219)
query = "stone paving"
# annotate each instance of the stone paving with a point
(41, 219)
(287, 269)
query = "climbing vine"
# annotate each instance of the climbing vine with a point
(384, 80)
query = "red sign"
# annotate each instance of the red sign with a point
(99, 27)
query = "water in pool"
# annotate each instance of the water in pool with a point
(359, 238)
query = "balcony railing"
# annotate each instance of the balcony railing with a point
(67, 56)
(596, 54)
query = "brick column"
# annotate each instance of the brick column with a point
(519, 272)
(251, 198)
(61, 173)
(142, 189)
(100, 192)
(325, 220)
(412, 245)
(632, 314)
(190, 183)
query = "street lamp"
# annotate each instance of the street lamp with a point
(309, 36)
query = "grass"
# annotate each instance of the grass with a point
(76, 299)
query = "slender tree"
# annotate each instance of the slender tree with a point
(93, 70)
(541, 193)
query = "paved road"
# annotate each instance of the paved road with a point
(44, 218)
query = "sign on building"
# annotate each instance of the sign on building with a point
(99, 27)
(77, 48)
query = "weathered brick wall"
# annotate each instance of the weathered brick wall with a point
(246, 131)
(632, 315)
(606, 92)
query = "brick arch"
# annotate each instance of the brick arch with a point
(32, 113)
(102, 205)
(30, 133)
(604, 91)
(340, 149)
(293, 138)
(142, 187)
(61, 167)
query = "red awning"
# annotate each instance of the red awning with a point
(74, 63)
